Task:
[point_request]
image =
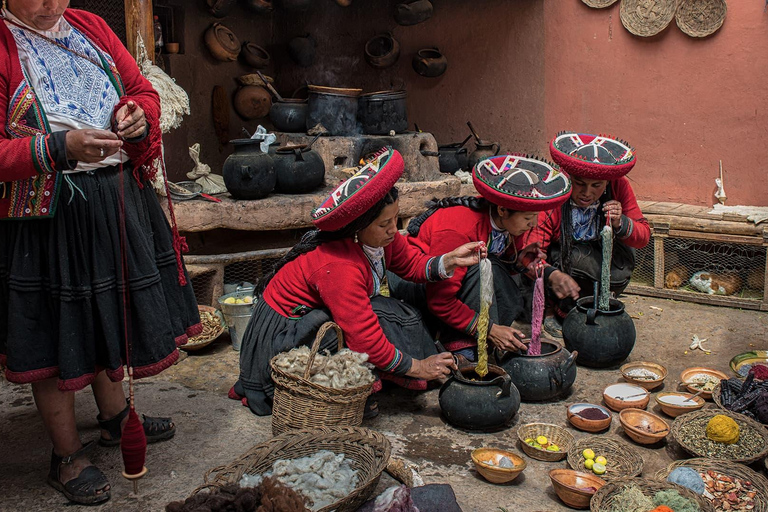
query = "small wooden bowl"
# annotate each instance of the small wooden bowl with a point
(690, 372)
(643, 427)
(572, 486)
(638, 397)
(492, 472)
(644, 365)
(674, 410)
(585, 424)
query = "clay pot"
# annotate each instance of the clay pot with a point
(171, 48)
(302, 50)
(295, 5)
(382, 112)
(602, 338)
(249, 173)
(413, 12)
(254, 55)
(222, 42)
(258, 6)
(298, 169)
(333, 108)
(382, 51)
(452, 157)
(429, 62)
(289, 115)
(543, 377)
(483, 150)
(252, 102)
(220, 8)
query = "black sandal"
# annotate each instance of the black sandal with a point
(88, 488)
(155, 429)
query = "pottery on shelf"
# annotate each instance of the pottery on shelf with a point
(254, 55)
(429, 62)
(252, 102)
(220, 8)
(222, 42)
(298, 169)
(413, 12)
(382, 51)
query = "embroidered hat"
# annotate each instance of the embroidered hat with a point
(521, 183)
(359, 193)
(595, 157)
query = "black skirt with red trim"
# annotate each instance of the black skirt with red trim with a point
(62, 291)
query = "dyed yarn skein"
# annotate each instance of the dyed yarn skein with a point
(537, 317)
(486, 299)
(605, 272)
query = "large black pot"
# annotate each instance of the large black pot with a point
(249, 173)
(602, 338)
(382, 112)
(299, 169)
(452, 157)
(544, 377)
(481, 404)
(335, 109)
(289, 115)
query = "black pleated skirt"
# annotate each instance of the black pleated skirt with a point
(62, 291)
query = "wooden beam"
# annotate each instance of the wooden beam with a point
(139, 21)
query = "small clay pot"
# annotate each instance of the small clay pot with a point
(220, 8)
(171, 48)
(295, 5)
(302, 50)
(222, 42)
(252, 102)
(413, 12)
(258, 6)
(382, 51)
(429, 62)
(254, 55)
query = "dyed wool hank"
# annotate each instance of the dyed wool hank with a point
(534, 348)
(486, 299)
(605, 275)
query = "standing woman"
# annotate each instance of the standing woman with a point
(338, 272)
(80, 135)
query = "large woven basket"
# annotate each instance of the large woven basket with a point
(561, 437)
(368, 451)
(700, 18)
(604, 498)
(702, 417)
(623, 461)
(727, 468)
(599, 4)
(299, 403)
(210, 332)
(644, 18)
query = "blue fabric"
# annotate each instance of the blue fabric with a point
(585, 222)
(499, 242)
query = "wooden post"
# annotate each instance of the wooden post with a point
(139, 21)
(660, 232)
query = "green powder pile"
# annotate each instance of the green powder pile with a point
(632, 499)
(673, 500)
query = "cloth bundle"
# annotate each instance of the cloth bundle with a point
(201, 173)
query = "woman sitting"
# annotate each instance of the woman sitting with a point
(338, 273)
(513, 190)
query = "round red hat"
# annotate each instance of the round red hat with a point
(359, 193)
(521, 183)
(595, 157)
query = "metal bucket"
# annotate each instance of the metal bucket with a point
(237, 315)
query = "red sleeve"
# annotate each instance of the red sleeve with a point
(409, 262)
(639, 230)
(547, 230)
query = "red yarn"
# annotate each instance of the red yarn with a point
(133, 444)
(534, 349)
(760, 371)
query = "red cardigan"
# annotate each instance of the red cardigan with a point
(337, 275)
(30, 155)
(442, 232)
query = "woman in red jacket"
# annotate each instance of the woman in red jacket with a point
(513, 190)
(338, 272)
(570, 235)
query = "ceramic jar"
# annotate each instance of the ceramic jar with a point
(252, 102)
(602, 338)
(483, 150)
(249, 173)
(480, 404)
(429, 62)
(254, 55)
(222, 42)
(382, 51)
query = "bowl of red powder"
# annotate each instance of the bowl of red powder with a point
(589, 417)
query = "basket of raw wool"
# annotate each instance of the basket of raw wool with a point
(314, 390)
(363, 454)
(213, 326)
(645, 494)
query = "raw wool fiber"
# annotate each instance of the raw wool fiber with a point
(486, 299)
(631, 499)
(174, 101)
(343, 370)
(673, 500)
(395, 499)
(322, 478)
(268, 496)
(687, 477)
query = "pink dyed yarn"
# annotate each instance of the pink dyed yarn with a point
(534, 349)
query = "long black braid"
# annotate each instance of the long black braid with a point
(566, 228)
(473, 202)
(315, 238)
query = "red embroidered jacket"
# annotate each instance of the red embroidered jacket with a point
(337, 275)
(30, 155)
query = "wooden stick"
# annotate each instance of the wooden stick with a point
(269, 86)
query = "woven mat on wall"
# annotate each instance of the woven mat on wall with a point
(599, 4)
(700, 18)
(647, 17)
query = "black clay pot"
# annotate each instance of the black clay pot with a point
(249, 173)
(482, 404)
(382, 112)
(299, 170)
(295, 5)
(220, 8)
(413, 12)
(333, 108)
(544, 377)
(302, 50)
(429, 62)
(482, 151)
(452, 157)
(289, 115)
(602, 338)
(258, 6)
(382, 51)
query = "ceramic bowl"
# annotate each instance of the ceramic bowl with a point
(487, 464)
(626, 396)
(686, 376)
(644, 365)
(575, 487)
(679, 406)
(643, 427)
(585, 424)
(747, 358)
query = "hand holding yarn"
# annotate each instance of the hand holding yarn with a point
(531, 257)
(432, 367)
(465, 256)
(91, 145)
(612, 210)
(131, 122)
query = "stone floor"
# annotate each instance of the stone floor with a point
(213, 430)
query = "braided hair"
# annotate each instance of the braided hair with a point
(315, 238)
(473, 202)
(566, 228)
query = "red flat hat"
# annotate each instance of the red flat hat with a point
(595, 157)
(359, 193)
(521, 183)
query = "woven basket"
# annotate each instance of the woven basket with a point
(561, 437)
(599, 4)
(299, 403)
(254, 79)
(623, 461)
(700, 18)
(368, 450)
(205, 339)
(727, 468)
(702, 417)
(603, 499)
(646, 18)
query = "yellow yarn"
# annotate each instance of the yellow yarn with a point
(723, 429)
(482, 334)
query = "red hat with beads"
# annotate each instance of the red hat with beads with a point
(595, 157)
(359, 193)
(521, 183)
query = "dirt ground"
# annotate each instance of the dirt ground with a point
(213, 430)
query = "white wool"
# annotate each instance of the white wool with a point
(346, 369)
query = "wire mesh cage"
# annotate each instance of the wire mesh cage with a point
(203, 284)
(248, 271)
